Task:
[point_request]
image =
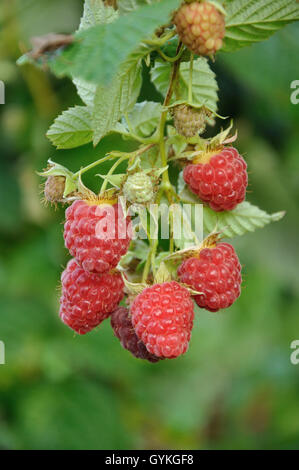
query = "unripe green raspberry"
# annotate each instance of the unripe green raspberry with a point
(54, 189)
(189, 121)
(201, 27)
(139, 188)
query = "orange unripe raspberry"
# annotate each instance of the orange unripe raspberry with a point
(201, 27)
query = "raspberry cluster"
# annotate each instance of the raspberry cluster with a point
(162, 316)
(97, 235)
(216, 273)
(88, 299)
(220, 180)
(201, 27)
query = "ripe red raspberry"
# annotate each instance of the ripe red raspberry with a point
(121, 323)
(97, 235)
(220, 179)
(88, 299)
(162, 316)
(216, 273)
(201, 27)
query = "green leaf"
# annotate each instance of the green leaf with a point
(112, 101)
(95, 12)
(72, 128)
(244, 218)
(204, 89)
(103, 48)
(85, 90)
(144, 118)
(252, 21)
(126, 6)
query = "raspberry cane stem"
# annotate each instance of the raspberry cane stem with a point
(92, 165)
(111, 171)
(190, 78)
(166, 186)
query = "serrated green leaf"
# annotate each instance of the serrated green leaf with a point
(96, 12)
(252, 21)
(112, 101)
(244, 218)
(103, 48)
(144, 118)
(72, 128)
(85, 90)
(204, 89)
(126, 6)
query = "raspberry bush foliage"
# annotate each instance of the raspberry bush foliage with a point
(122, 266)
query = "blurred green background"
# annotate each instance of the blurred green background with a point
(236, 387)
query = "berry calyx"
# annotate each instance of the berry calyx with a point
(54, 189)
(121, 323)
(88, 299)
(162, 316)
(139, 188)
(219, 178)
(189, 121)
(216, 272)
(97, 234)
(201, 27)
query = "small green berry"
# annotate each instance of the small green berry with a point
(138, 188)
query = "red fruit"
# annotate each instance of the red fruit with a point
(121, 323)
(88, 299)
(162, 316)
(97, 235)
(220, 179)
(216, 273)
(201, 27)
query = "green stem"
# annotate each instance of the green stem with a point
(92, 165)
(190, 79)
(150, 262)
(111, 171)
(171, 59)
